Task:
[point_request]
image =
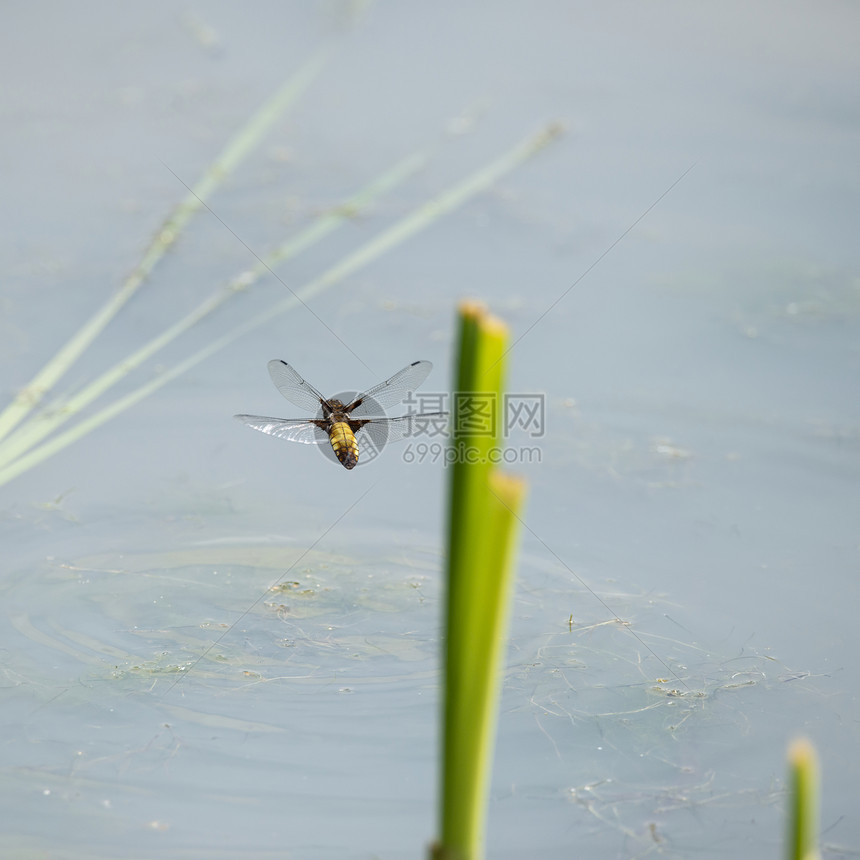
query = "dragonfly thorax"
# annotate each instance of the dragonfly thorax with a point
(336, 416)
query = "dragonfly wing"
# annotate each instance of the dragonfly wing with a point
(381, 431)
(294, 430)
(294, 388)
(392, 391)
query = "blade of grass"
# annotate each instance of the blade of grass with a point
(235, 151)
(37, 428)
(394, 235)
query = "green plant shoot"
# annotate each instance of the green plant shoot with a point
(484, 508)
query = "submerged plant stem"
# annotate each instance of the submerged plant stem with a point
(401, 230)
(29, 434)
(236, 150)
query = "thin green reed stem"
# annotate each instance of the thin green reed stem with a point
(235, 151)
(394, 235)
(470, 591)
(29, 434)
(483, 520)
(803, 802)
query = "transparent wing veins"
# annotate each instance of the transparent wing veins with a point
(381, 431)
(392, 391)
(293, 387)
(291, 429)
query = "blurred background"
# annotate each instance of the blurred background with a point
(679, 271)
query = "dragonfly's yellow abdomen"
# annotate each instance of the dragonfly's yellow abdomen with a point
(343, 442)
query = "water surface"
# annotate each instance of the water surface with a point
(216, 645)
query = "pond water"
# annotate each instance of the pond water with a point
(220, 644)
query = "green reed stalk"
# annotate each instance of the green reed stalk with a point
(803, 802)
(483, 517)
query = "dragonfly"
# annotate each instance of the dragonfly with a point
(343, 425)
